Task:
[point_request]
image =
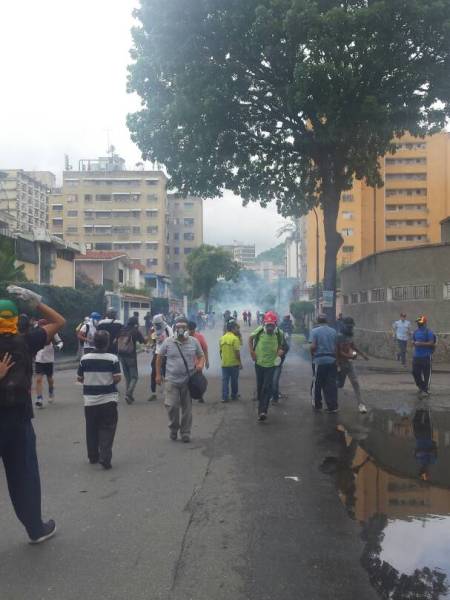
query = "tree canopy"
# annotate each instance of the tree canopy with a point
(286, 100)
(205, 265)
(9, 272)
(276, 255)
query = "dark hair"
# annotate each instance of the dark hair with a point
(322, 318)
(231, 324)
(101, 340)
(132, 322)
(192, 325)
(111, 313)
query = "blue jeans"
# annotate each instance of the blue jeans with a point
(401, 354)
(264, 382)
(18, 451)
(230, 374)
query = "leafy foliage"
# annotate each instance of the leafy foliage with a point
(8, 270)
(275, 255)
(160, 306)
(286, 100)
(300, 309)
(205, 265)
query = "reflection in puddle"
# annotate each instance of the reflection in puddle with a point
(394, 479)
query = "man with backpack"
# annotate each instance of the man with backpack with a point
(87, 331)
(266, 349)
(424, 343)
(17, 437)
(126, 348)
(113, 327)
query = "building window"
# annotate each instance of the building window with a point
(103, 197)
(407, 176)
(188, 250)
(152, 229)
(189, 222)
(103, 246)
(57, 222)
(151, 182)
(136, 230)
(347, 197)
(406, 192)
(378, 295)
(152, 214)
(347, 232)
(413, 292)
(72, 230)
(57, 207)
(406, 238)
(88, 197)
(176, 266)
(152, 198)
(72, 198)
(363, 297)
(152, 262)
(72, 213)
(345, 299)
(348, 249)
(176, 236)
(120, 275)
(189, 237)
(447, 290)
(347, 215)
(188, 205)
(71, 182)
(354, 297)
(411, 145)
(407, 161)
(176, 250)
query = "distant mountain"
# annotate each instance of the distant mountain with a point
(275, 255)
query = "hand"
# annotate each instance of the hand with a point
(28, 296)
(158, 380)
(207, 364)
(60, 345)
(280, 353)
(5, 364)
(198, 368)
(253, 355)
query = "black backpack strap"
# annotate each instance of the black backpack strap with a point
(184, 360)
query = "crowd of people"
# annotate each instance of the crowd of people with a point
(180, 356)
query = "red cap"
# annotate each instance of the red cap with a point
(270, 318)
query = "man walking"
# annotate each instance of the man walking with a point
(230, 354)
(346, 354)
(44, 367)
(184, 356)
(113, 326)
(323, 351)
(402, 333)
(203, 343)
(99, 372)
(424, 342)
(161, 331)
(87, 331)
(265, 345)
(17, 437)
(126, 346)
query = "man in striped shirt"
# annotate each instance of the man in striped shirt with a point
(99, 372)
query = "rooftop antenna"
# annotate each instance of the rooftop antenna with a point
(67, 165)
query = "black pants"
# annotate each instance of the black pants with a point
(153, 375)
(421, 370)
(101, 423)
(264, 383)
(18, 451)
(325, 382)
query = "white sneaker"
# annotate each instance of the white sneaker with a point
(362, 408)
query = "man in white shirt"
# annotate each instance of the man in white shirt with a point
(44, 364)
(87, 332)
(402, 333)
(160, 332)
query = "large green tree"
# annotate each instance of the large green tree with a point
(286, 100)
(9, 272)
(205, 265)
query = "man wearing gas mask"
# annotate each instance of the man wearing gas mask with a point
(346, 354)
(184, 356)
(160, 332)
(266, 349)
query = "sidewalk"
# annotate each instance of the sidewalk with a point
(383, 365)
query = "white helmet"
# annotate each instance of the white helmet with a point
(158, 319)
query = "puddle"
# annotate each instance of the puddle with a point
(393, 477)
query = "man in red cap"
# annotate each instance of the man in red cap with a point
(424, 342)
(266, 349)
(17, 438)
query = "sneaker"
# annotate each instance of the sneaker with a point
(262, 417)
(173, 436)
(51, 398)
(362, 408)
(39, 404)
(93, 461)
(49, 530)
(185, 438)
(105, 465)
(225, 400)
(201, 401)
(238, 397)
(331, 410)
(129, 399)
(152, 398)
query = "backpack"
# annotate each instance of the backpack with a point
(15, 388)
(282, 343)
(125, 343)
(80, 325)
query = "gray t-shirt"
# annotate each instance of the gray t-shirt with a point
(175, 368)
(325, 338)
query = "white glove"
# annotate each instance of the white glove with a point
(32, 298)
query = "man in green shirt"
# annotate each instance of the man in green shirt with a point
(265, 345)
(230, 354)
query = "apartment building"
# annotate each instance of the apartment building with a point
(184, 230)
(107, 208)
(24, 196)
(405, 212)
(243, 254)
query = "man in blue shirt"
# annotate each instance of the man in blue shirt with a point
(323, 350)
(424, 342)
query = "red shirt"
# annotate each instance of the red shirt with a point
(201, 340)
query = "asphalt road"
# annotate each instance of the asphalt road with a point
(241, 513)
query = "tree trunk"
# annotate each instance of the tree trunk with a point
(333, 242)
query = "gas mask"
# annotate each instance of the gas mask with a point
(182, 333)
(269, 329)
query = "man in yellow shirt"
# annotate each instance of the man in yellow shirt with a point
(230, 353)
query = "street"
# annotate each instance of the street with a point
(247, 511)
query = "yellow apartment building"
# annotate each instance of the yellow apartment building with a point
(106, 208)
(405, 212)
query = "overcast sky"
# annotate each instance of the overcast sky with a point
(63, 82)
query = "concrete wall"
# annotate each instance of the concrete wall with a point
(64, 273)
(94, 270)
(421, 266)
